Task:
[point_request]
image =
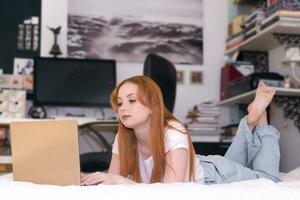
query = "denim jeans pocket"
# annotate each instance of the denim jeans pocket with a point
(226, 169)
(210, 173)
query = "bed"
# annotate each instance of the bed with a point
(252, 189)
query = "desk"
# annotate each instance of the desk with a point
(89, 123)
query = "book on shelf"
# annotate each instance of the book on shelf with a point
(197, 114)
(230, 129)
(259, 14)
(195, 123)
(5, 163)
(207, 113)
(251, 25)
(206, 138)
(292, 6)
(251, 33)
(206, 119)
(234, 43)
(208, 104)
(204, 125)
(235, 39)
(204, 132)
(2, 143)
(5, 168)
(5, 159)
(3, 133)
(272, 2)
(281, 15)
(226, 138)
(207, 109)
(287, 21)
(4, 150)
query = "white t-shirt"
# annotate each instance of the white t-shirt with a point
(174, 139)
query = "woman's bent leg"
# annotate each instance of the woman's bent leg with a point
(244, 146)
(251, 155)
(267, 158)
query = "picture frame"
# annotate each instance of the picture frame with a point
(180, 77)
(196, 77)
(174, 28)
(23, 66)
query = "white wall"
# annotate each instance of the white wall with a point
(54, 13)
(290, 135)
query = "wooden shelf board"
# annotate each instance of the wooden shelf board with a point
(239, 99)
(264, 40)
(248, 96)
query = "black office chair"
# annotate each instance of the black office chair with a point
(96, 161)
(163, 72)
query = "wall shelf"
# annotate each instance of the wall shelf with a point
(247, 97)
(264, 40)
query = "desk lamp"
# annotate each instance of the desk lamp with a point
(292, 59)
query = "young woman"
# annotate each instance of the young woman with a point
(153, 146)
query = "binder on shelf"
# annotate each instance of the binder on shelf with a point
(228, 73)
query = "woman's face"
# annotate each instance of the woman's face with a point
(131, 111)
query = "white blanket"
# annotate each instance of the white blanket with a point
(252, 190)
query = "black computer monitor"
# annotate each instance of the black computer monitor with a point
(73, 82)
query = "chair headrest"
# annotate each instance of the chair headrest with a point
(154, 62)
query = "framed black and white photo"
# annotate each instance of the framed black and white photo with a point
(128, 30)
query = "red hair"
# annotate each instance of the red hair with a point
(149, 94)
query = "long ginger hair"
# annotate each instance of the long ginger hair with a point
(149, 94)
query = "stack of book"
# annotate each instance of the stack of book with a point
(284, 16)
(229, 132)
(5, 158)
(235, 40)
(276, 5)
(204, 126)
(253, 23)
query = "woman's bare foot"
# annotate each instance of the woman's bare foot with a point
(263, 118)
(257, 108)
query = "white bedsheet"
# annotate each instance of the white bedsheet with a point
(252, 189)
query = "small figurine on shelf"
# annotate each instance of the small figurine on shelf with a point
(55, 50)
(287, 81)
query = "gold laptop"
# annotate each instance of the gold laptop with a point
(45, 152)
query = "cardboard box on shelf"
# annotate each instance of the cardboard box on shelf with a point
(236, 25)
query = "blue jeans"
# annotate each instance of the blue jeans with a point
(252, 155)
